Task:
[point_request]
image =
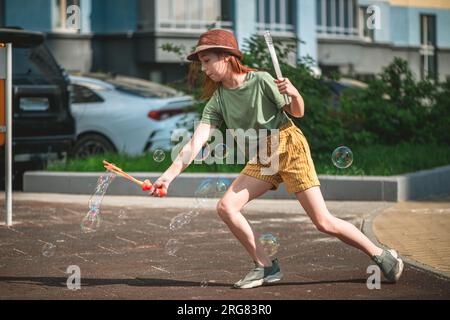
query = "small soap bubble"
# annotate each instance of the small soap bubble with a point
(342, 157)
(172, 246)
(48, 250)
(193, 213)
(270, 243)
(204, 153)
(91, 222)
(199, 203)
(220, 151)
(206, 188)
(179, 221)
(222, 186)
(159, 155)
(122, 214)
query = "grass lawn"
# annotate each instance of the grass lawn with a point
(379, 160)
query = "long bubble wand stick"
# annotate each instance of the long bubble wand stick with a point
(275, 63)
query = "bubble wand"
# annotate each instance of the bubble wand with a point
(275, 63)
(145, 185)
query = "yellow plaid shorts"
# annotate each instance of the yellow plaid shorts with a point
(295, 165)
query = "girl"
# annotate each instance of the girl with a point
(245, 98)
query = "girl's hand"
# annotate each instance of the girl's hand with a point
(160, 183)
(286, 87)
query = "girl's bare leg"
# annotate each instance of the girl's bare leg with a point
(313, 203)
(244, 189)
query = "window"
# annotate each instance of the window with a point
(59, 14)
(337, 17)
(364, 31)
(82, 94)
(193, 15)
(34, 104)
(275, 15)
(428, 54)
(34, 66)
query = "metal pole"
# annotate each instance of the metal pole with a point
(8, 144)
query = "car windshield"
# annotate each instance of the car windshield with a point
(143, 88)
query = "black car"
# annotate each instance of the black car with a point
(43, 127)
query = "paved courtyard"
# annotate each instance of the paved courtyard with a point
(129, 256)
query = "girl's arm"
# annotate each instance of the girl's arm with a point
(188, 152)
(297, 107)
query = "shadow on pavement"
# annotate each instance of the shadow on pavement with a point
(151, 282)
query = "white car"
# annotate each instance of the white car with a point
(126, 115)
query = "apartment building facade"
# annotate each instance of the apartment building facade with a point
(356, 37)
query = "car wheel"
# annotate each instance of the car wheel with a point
(92, 144)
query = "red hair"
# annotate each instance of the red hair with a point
(208, 85)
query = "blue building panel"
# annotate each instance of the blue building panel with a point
(405, 25)
(110, 16)
(32, 15)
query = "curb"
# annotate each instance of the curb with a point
(411, 186)
(367, 229)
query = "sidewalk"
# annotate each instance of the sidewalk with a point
(129, 256)
(419, 231)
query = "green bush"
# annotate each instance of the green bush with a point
(396, 108)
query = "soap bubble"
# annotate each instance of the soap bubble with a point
(199, 203)
(212, 188)
(91, 222)
(159, 155)
(103, 183)
(206, 188)
(196, 206)
(220, 151)
(342, 157)
(172, 246)
(222, 186)
(270, 244)
(48, 250)
(204, 153)
(179, 220)
(122, 214)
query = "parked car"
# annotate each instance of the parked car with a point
(124, 114)
(42, 125)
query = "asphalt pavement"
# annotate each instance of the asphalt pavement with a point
(135, 255)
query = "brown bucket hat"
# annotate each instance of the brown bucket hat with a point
(216, 39)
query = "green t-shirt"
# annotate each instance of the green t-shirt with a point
(256, 104)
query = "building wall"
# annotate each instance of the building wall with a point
(384, 33)
(119, 36)
(306, 28)
(32, 15)
(444, 64)
(405, 22)
(368, 59)
(439, 4)
(245, 20)
(399, 36)
(111, 16)
(73, 52)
